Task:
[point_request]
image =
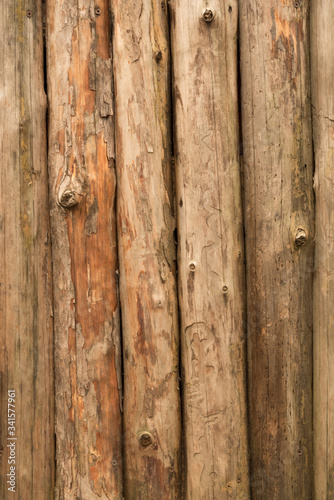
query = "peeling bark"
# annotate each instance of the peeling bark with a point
(25, 259)
(82, 190)
(146, 251)
(210, 258)
(278, 166)
(322, 59)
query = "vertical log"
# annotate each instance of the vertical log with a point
(25, 261)
(146, 250)
(82, 189)
(210, 258)
(322, 63)
(278, 166)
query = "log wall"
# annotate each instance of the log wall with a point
(166, 253)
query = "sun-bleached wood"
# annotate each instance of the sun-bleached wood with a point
(212, 298)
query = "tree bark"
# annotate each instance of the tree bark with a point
(210, 248)
(279, 216)
(322, 63)
(26, 431)
(82, 188)
(146, 250)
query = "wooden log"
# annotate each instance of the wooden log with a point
(82, 189)
(278, 165)
(322, 65)
(27, 420)
(146, 250)
(210, 248)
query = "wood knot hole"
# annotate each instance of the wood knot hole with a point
(29, 13)
(69, 199)
(192, 267)
(225, 289)
(300, 452)
(229, 8)
(296, 4)
(114, 463)
(300, 237)
(145, 439)
(158, 55)
(97, 11)
(208, 15)
(163, 7)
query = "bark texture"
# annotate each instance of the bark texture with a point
(82, 190)
(210, 252)
(25, 257)
(278, 166)
(146, 250)
(322, 63)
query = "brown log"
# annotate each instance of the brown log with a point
(146, 250)
(82, 189)
(322, 64)
(211, 257)
(278, 165)
(25, 261)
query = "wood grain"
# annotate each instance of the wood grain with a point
(279, 219)
(146, 251)
(322, 64)
(25, 257)
(212, 298)
(82, 190)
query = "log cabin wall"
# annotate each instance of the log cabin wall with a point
(166, 252)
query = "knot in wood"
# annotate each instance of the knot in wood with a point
(145, 439)
(208, 15)
(225, 289)
(296, 4)
(97, 11)
(300, 237)
(71, 188)
(69, 199)
(158, 55)
(192, 266)
(29, 13)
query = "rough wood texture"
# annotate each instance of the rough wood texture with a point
(82, 190)
(146, 250)
(210, 257)
(322, 64)
(278, 166)
(25, 257)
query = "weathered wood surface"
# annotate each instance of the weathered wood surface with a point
(25, 257)
(82, 191)
(322, 65)
(210, 248)
(278, 166)
(146, 250)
